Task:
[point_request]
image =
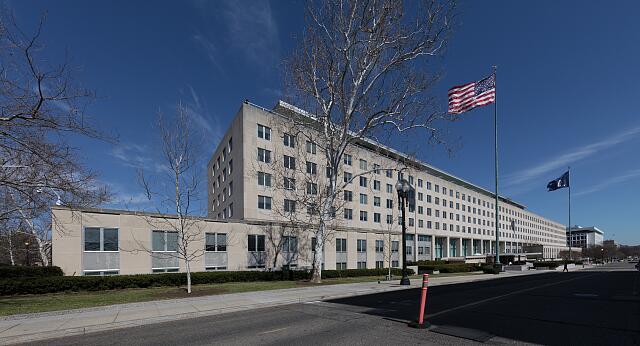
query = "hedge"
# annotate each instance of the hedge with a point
(549, 264)
(41, 285)
(450, 268)
(24, 271)
(490, 270)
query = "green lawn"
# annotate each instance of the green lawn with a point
(75, 300)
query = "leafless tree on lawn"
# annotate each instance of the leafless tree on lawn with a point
(180, 144)
(363, 70)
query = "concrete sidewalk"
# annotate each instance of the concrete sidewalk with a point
(30, 327)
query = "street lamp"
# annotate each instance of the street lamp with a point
(403, 187)
(26, 244)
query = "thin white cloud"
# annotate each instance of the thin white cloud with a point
(558, 162)
(138, 156)
(210, 50)
(610, 181)
(253, 29)
(249, 30)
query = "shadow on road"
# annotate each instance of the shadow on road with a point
(554, 308)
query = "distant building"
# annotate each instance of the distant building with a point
(610, 242)
(584, 237)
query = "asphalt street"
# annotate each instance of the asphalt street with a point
(600, 306)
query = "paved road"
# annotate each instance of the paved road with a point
(599, 306)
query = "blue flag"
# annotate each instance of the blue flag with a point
(559, 183)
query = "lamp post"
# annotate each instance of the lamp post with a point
(28, 257)
(403, 187)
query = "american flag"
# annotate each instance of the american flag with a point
(468, 96)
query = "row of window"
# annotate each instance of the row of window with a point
(289, 140)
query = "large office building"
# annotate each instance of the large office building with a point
(584, 237)
(451, 217)
(258, 178)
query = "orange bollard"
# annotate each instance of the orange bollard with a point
(423, 304)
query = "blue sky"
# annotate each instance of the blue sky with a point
(567, 89)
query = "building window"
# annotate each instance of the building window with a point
(289, 206)
(348, 177)
(379, 246)
(419, 182)
(311, 147)
(363, 164)
(289, 162)
(347, 159)
(389, 204)
(289, 183)
(363, 215)
(376, 185)
(389, 219)
(362, 265)
(389, 188)
(264, 155)
(395, 245)
(376, 168)
(264, 179)
(395, 264)
(216, 242)
(364, 198)
(388, 173)
(341, 245)
(256, 243)
(264, 202)
(376, 201)
(376, 217)
(341, 266)
(264, 132)
(379, 264)
(361, 245)
(348, 196)
(312, 168)
(289, 140)
(100, 239)
(164, 241)
(312, 188)
(290, 244)
(363, 181)
(348, 214)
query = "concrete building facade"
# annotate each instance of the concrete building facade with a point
(258, 165)
(451, 218)
(584, 237)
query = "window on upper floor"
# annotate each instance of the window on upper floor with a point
(264, 132)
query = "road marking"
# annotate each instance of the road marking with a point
(273, 331)
(503, 296)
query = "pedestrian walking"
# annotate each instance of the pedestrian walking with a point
(565, 267)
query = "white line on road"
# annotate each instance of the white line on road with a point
(503, 295)
(273, 331)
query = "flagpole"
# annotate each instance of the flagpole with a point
(495, 130)
(569, 181)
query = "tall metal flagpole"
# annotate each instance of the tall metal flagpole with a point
(495, 129)
(569, 181)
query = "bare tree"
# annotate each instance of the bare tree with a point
(180, 148)
(362, 70)
(40, 105)
(283, 241)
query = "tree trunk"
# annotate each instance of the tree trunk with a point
(316, 275)
(43, 254)
(187, 265)
(13, 261)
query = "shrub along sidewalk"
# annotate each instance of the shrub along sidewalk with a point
(41, 285)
